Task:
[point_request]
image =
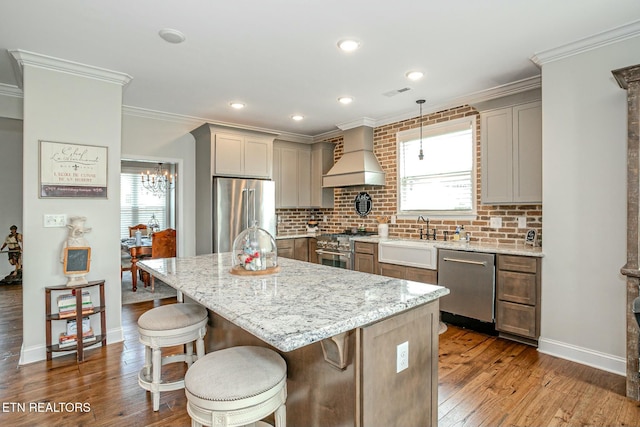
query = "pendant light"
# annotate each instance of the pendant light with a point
(420, 102)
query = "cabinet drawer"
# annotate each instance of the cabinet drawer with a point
(285, 248)
(517, 263)
(517, 287)
(364, 248)
(517, 319)
(285, 244)
(392, 270)
(422, 275)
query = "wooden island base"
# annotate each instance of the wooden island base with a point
(368, 392)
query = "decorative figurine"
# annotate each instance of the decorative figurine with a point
(13, 242)
(76, 273)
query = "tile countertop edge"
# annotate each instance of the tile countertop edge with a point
(505, 249)
(203, 285)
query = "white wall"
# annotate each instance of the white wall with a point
(11, 188)
(584, 206)
(162, 139)
(66, 107)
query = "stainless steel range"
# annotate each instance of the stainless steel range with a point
(337, 250)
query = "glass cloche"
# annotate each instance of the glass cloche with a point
(254, 252)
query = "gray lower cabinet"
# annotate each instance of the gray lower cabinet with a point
(518, 296)
(366, 257)
(297, 248)
(408, 273)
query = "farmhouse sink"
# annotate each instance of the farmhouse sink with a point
(413, 253)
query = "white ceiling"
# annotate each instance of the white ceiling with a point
(280, 56)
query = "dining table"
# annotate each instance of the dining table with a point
(138, 252)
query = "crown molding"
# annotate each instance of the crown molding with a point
(364, 121)
(512, 88)
(23, 57)
(10, 90)
(162, 116)
(588, 43)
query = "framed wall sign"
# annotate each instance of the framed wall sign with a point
(72, 170)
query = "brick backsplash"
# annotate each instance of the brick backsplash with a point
(344, 216)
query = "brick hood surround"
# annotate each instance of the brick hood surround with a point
(358, 165)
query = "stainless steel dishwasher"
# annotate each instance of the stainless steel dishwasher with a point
(470, 277)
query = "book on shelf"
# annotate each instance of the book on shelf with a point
(67, 304)
(85, 310)
(72, 327)
(67, 340)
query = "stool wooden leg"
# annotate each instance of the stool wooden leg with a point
(155, 371)
(147, 361)
(189, 354)
(281, 416)
(199, 347)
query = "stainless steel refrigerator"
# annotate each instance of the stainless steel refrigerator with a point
(237, 202)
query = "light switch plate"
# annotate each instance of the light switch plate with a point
(402, 356)
(522, 222)
(495, 222)
(55, 220)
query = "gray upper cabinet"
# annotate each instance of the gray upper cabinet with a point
(321, 162)
(511, 140)
(241, 155)
(292, 174)
(224, 151)
(297, 171)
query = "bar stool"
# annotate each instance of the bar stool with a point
(237, 386)
(167, 326)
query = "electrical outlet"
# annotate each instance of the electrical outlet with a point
(393, 219)
(324, 218)
(495, 222)
(57, 220)
(522, 222)
(402, 362)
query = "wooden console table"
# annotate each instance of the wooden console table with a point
(97, 309)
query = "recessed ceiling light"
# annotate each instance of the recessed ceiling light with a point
(345, 100)
(348, 45)
(414, 75)
(236, 105)
(297, 117)
(172, 36)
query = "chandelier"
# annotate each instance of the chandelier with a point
(159, 182)
(421, 154)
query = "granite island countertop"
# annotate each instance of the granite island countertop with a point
(301, 304)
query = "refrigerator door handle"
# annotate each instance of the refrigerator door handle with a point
(252, 193)
(245, 205)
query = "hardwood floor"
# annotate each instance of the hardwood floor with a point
(484, 381)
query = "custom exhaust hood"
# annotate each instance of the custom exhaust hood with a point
(358, 165)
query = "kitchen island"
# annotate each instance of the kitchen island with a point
(338, 330)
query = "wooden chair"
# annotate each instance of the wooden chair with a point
(125, 256)
(142, 227)
(163, 245)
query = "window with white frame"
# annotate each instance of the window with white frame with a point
(443, 183)
(138, 205)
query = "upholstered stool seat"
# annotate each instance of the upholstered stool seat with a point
(237, 386)
(167, 326)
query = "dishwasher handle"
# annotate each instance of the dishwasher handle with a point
(465, 261)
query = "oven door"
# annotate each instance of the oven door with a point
(335, 259)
